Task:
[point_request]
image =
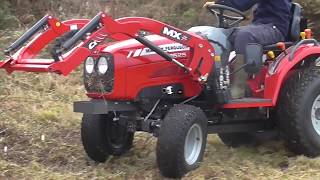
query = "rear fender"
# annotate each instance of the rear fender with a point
(275, 80)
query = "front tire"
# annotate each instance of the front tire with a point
(182, 141)
(101, 137)
(299, 112)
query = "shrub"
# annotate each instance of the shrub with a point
(6, 18)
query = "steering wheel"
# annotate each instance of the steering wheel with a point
(226, 21)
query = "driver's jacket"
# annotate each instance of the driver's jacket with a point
(276, 12)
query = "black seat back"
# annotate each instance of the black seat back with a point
(294, 31)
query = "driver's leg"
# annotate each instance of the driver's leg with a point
(238, 81)
(265, 34)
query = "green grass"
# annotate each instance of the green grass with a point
(33, 106)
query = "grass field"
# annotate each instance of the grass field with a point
(40, 139)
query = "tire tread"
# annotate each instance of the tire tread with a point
(290, 113)
(170, 145)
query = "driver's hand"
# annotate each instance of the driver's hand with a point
(208, 4)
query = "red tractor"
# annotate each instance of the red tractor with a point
(175, 84)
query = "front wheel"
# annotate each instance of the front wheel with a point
(182, 140)
(102, 136)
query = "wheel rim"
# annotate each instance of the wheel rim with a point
(193, 144)
(315, 115)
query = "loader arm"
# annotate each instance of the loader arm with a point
(21, 58)
(94, 32)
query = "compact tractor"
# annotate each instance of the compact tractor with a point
(155, 78)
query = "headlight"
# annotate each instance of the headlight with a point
(89, 65)
(101, 79)
(103, 65)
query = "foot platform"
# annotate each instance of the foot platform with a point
(248, 103)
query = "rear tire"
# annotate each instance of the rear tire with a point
(101, 137)
(299, 112)
(182, 141)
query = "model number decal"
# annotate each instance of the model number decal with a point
(174, 48)
(175, 34)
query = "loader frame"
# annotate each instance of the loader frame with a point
(100, 28)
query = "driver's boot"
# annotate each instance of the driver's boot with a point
(239, 79)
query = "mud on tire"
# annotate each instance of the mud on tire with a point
(296, 112)
(182, 140)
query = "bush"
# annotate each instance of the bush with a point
(311, 10)
(6, 18)
(181, 13)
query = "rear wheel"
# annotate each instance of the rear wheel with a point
(299, 112)
(182, 140)
(102, 136)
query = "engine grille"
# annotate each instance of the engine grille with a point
(97, 83)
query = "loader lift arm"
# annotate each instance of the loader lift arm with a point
(94, 32)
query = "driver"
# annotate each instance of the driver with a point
(270, 25)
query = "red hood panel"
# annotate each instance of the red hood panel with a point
(137, 54)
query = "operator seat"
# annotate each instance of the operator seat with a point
(295, 22)
(296, 25)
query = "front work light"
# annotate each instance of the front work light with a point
(103, 65)
(89, 65)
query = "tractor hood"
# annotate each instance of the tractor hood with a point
(133, 67)
(133, 50)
